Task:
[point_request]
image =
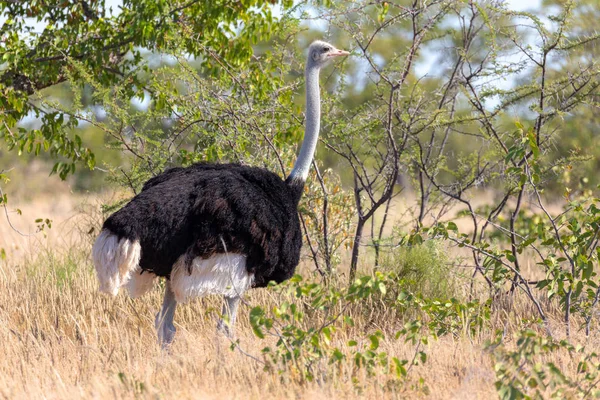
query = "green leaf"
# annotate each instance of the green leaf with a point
(374, 342)
(382, 288)
(588, 270)
(399, 366)
(256, 315)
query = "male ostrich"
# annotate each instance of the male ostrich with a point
(212, 228)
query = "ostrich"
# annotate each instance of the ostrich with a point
(212, 228)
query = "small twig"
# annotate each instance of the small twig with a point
(310, 246)
(8, 218)
(414, 357)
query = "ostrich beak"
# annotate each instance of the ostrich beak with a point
(338, 53)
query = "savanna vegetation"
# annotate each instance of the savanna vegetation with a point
(451, 219)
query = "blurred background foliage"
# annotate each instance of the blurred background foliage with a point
(93, 68)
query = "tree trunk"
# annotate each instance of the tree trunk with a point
(355, 249)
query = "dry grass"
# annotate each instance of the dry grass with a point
(62, 339)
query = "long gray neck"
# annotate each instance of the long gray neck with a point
(313, 120)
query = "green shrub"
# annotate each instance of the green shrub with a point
(422, 269)
(525, 369)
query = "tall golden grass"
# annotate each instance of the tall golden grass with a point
(60, 338)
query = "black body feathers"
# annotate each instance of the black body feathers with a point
(207, 209)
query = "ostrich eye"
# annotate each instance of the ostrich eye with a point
(326, 49)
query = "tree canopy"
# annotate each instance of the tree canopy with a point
(42, 41)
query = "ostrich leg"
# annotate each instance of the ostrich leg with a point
(164, 319)
(229, 313)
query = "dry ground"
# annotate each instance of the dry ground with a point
(62, 339)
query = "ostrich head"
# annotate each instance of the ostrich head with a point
(321, 53)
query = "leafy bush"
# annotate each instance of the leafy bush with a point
(312, 322)
(523, 371)
(422, 269)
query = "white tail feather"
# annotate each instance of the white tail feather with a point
(115, 260)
